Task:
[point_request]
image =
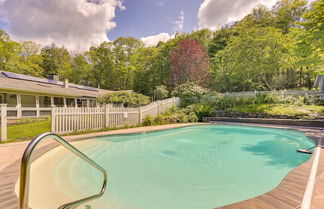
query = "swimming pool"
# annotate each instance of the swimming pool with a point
(196, 167)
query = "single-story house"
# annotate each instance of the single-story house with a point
(33, 96)
(319, 82)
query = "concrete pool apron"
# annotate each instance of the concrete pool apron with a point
(288, 195)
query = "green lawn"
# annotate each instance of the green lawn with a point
(27, 129)
(281, 109)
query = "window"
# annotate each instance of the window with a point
(9, 99)
(28, 100)
(92, 103)
(58, 102)
(82, 102)
(44, 101)
(2, 98)
(70, 102)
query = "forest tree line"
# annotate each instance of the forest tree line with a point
(277, 48)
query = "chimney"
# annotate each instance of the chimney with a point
(66, 83)
(54, 77)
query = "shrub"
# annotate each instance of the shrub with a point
(189, 93)
(192, 117)
(129, 99)
(200, 110)
(161, 92)
(159, 120)
(148, 120)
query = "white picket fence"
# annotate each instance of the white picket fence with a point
(3, 122)
(307, 93)
(69, 119)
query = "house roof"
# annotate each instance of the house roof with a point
(318, 79)
(14, 82)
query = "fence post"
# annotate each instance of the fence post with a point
(53, 116)
(19, 111)
(174, 101)
(3, 123)
(106, 116)
(140, 115)
(37, 107)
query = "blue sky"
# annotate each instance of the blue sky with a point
(148, 17)
(80, 24)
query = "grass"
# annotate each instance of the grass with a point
(27, 129)
(282, 109)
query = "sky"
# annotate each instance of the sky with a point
(79, 24)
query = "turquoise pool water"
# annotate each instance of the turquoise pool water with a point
(197, 167)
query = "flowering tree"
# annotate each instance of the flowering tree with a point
(189, 62)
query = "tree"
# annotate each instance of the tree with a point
(189, 62)
(81, 71)
(288, 13)
(124, 48)
(56, 61)
(252, 60)
(30, 59)
(146, 73)
(9, 53)
(220, 40)
(313, 24)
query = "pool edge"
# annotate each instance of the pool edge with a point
(11, 172)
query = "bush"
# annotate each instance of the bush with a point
(148, 120)
(159, 120)
(161, 92)
(189, 93)
(129, 99)
(192, 117)
(200, 110)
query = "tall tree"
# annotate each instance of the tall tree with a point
(288, 13)
(190, 62)
(251, 60)
(9, 53)
(56, 60)
(30, 59)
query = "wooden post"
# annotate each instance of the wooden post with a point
(140, 115)
(37, 107)
(64, 101)
(52, 101)
(106, 116)
(3, 123)
(53, 119)
(19, 112)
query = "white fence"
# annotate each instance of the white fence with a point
(307, 93)
(3, 122)
(69, 119)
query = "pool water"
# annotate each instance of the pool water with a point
(196, 167)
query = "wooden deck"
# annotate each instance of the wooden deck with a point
(288, 195)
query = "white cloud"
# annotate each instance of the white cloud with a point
(180, 22)
(213, 13)
(76, 24)
(161, 3)
(155, 39)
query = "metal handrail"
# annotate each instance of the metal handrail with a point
(25, 171)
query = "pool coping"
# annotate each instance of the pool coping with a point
(270, 200)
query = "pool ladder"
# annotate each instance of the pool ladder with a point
(25, 172)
